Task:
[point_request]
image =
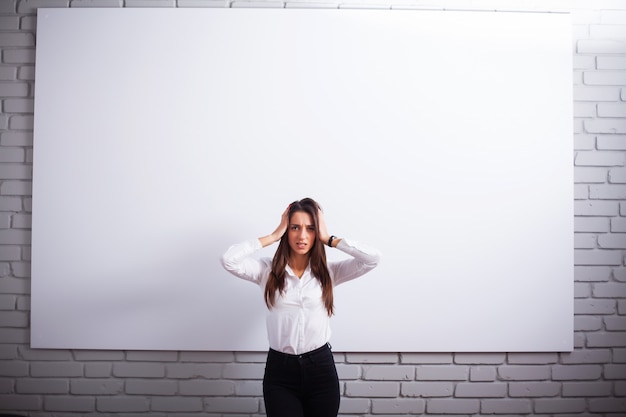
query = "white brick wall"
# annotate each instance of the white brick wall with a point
(590, 380)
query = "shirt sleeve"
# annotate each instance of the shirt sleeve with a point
(364, 259)
(238, 261)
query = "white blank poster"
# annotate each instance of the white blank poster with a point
(163, 136)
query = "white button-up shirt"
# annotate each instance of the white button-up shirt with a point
(299, 322)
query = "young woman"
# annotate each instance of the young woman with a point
(300, 376)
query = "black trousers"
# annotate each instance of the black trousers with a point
(304, 385)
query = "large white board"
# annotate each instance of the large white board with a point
(162, 136)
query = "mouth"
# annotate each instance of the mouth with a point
(301, 245)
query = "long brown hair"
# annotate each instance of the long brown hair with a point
(317, 260)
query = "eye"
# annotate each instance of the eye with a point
(293, 227)
(311, 228)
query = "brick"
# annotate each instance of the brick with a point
(609, 290)
(69, 403)
(180, 404)
(587, 356)
(605, 77)
(532, 358)
(248, 388)
(597, 257)
(427, 389)
(26, 73)
(612, 109)
(617, 175)
(590, 175)
(442, 373)
(16, 188)
(592, 306)
(483, 373)
(592, 273)
(614, 372)
(587, 389)
(609, 142)
(97, 3)
(619, 274)
(22, 402)
(584, 109)
(152, 356)
(14, 319)
(607, 405)
(7, 302)
(13, 89)
(584, 142)
(231, 405)
(13, 368)
(14, 237)
(426, 358)
(10, 203)
(587, 93)
(599, 158)
(56, 369)
(354, 406)
(593, 46)
(139, 370)
(150, 387)
(204, 388)
(186, 371)
(372, 389)
(31, 6)
(385, 373)
(14, 335)
(452, 406)
(347, 372)
(606, 339)
(98, 355)
(506, 406)
(96, 387)
(207, 357)
(576, 372)
(587, 323)
(480, 358)
(15, 172)
(16, 139)
(243, 371)
(585, 241)
(615, 323)
(398, 406)
(118, 404)
(534, 389)
(98, 370)
(372, 357)
(480, 390)
(560, 405)
(22, 221)
(608, 192)
(42, 386)
(581, 192)
(254, 357)
(612, 241)
(611, 62)
(21, 122)
(611, 126)
(523, 373)
(24, 105)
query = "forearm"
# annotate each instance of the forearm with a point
(269, 239)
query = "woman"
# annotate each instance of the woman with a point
(300, 375)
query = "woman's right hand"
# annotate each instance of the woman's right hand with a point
(280, 230)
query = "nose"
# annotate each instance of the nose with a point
(303, 232)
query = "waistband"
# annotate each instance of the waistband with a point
(326, 347)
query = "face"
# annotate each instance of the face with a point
(301, 233)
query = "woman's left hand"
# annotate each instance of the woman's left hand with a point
(322, 235)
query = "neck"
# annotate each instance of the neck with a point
(298, 262)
